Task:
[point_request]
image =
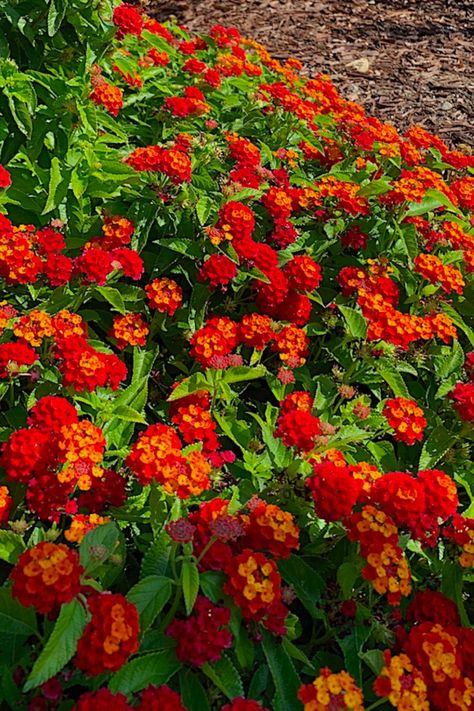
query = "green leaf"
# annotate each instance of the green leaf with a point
(384, 455)
(347, 574)
(392, 377)
(192, 692)
(203, 208)
(242, 373)
(435, 447)
(458, 321)
(154, 668)
(57, 10)
(284, 675)
(190, 581)
(190, 385)
(211, 582)
(149, 596)
(452, 587)
(225, 676)
(113, 297)
(155, 560)
(374, 659)
(98, 545)
(11, 545)
(355, 322)
(308, 584)
(61, 645)
(15, 620)
(376, 187)
(428, 204)
(124, 412)
(55, 179)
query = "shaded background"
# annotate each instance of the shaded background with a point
(406, 61)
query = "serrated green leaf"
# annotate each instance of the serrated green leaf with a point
(225, 676)
(392, 377)
(356, 323)
(435, 447)
(347, 574)
(149, 596)
(127, 413)
(61, 645)
(192, 692)
(154, 668)
(55, 178)
(190, 385)
(376, 187)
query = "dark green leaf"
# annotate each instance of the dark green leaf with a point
(284, 675)
(154, 668)
(190, 580)
(150, 596)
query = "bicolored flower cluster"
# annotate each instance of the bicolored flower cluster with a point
(157, 455)
(46, 576)
(331, 691)
(173, 162)
(406, 418)
(110, 637)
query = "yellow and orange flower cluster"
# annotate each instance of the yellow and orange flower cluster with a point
(331, 691)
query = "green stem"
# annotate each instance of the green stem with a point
(208, 545)
(376, 704)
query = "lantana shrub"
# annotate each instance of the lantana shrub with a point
(236, 380)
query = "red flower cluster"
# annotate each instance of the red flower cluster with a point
(335, 490)
(6, 502)
(101, 700)
(462, 396)
(160, 698)
(110, 637)
(204, 635)
(46, 576)
(269, 528)
(129, 330)
(241, 704)
(218, 270)
(191, 104)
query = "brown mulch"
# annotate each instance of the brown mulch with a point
(406, 61)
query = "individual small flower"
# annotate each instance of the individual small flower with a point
(406, 418)
(110, 637)
(46, 576)
(204, 635)
(164, 295)
(331, 691)
(402, 684)
(159, 698)
(101, 700)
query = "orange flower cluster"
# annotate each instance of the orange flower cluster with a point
(292, 345)
(85, 368)
(331, 691)
(129, 330)
(402, 684)
(110, 637)
(256, 330)
(81, 446)
(406, 418)
(34, 327)
(432, 268)
(82, 524)
(108, 96)
(157, 455)
(46, 576)
(164, 295)
(217, 338)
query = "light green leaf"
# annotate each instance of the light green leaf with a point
(225, 676)
(242, 373)
(11, 545)
(435, 447)
(55, 178)
(190, 385)
(113, 297)
(388, 371)
(98, 545)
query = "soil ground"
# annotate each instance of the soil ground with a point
(406, 61)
